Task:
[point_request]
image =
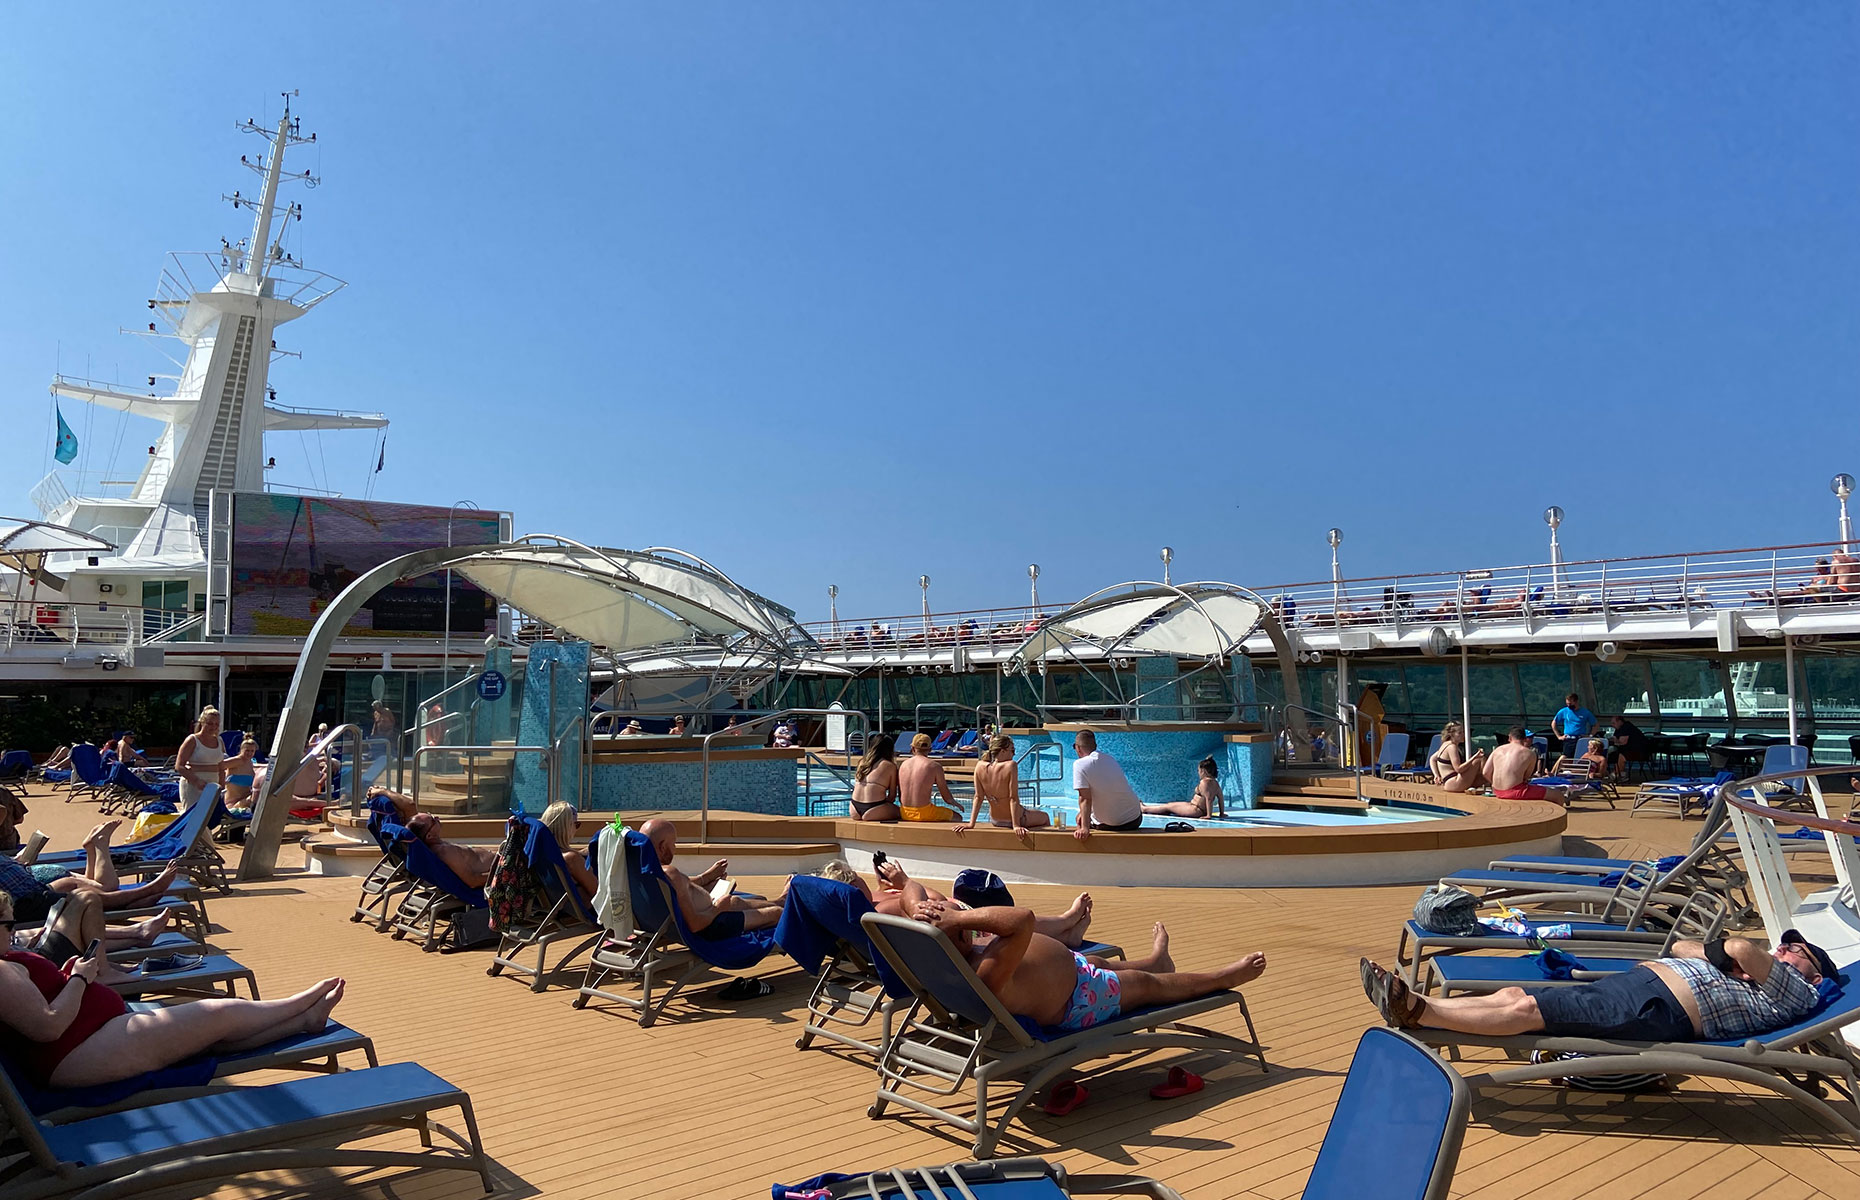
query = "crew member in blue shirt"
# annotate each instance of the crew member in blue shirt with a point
(1572, 723)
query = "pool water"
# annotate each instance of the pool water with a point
(829, 798)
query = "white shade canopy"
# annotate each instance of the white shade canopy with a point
(25, 545)
(1206, 621)
(632, 601)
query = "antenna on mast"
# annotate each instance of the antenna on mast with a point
(255, 257)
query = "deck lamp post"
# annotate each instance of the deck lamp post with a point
(1168, 555)
(1842, 485)
(1553, 517)
(1033, 581)
(1335, 537)
(923, 581)
(833, 607)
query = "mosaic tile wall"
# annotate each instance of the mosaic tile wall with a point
(1160, 764)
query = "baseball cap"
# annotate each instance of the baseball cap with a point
(1828, 969)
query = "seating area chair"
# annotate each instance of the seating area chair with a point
(645, 940)
(88, 774)
(1420, 772)
(388, 878)
(1682, 793)
(957, 1034)
(820, 930)
(942, 741)
(239, 1131)
(1810, 1054)
(437, 907)
(1397, 1128)
(1391, 755)
(999, 1179)
(568, 917)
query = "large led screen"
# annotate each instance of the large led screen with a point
(292, 555)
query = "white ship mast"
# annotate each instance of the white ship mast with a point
(223, 306)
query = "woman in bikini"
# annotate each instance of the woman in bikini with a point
(875, 783)
(1453, 771)
(1202, 804)
(239, 775)
(997, 781)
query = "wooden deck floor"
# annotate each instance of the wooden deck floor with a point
(715, 1101)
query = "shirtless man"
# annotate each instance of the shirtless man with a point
(474, 865)
(997, 780)
(920, 776)
(704, 917)
(1037, 978)
(1511, 767)
(899, 895)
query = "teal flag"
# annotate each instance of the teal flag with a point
(67, 441)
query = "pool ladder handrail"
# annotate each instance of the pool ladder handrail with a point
(1345, 729)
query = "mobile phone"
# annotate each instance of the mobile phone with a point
(90, 951)
(878, 859)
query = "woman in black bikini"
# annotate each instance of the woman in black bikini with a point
(875, 784)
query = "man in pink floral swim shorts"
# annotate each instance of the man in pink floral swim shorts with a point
(1038, 978)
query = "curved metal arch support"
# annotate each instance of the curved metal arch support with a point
(260, 859)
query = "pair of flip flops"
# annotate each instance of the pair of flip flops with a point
(1065, 1096)
(745, 988)
(1180, 1082)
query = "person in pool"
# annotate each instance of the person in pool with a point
(1203, 803)
(1036, 977)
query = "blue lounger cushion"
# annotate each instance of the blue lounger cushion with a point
(644, 874)
(1420, 932)
(1519, 972)
(426, 867)
(161, 1127)
(817, 915)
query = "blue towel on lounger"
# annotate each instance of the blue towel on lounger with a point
(1554, 964)
(817, 915)
(1662, 865)
(726, 954)
(426, 867)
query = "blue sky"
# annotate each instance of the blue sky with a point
(848, 293)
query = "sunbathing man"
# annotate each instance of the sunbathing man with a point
(403, 803)
(474, 865)
(1725, 988)
(35, 889)
(1511, 767)
(899, 896)
(1037, 978)
(704, 916)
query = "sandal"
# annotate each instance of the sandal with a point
(1180, 1083)
(1064, 1097)
(1390, 995)
(744, 989)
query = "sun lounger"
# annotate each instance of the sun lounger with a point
(568, 916)
(942, 741)
(282, 1126)
(172, 841)
(437, 906)
(1811, 1052)
(88, 774)
(1452, 974)
(902, 746)
(1392, 755)
(966, 746)
(1421, 772)
(646, 942)
(212, 975)
(387, 879)
(957, 1034)
(820, 930)
(1397, 1127)
(1702, 918)
(312, 1052)
(1001, 1179)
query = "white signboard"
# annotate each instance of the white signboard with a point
(836, 730)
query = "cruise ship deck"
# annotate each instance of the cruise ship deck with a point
(715, 1101)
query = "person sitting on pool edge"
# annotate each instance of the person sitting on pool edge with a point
(1202, 803)
(875, 783)
(920, 777)
(1452, 770)
(1036, 977)
(1724, 988)
(997, 781)
(706, 917)
(1511, 766)
(1107, 802)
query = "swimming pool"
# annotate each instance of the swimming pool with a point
(830, 798)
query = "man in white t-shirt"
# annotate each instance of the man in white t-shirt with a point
(1106, 799)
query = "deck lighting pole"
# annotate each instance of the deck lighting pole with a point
(923, 581)
(1335, 537)
(1168, 555)
(833, 607)
(1842, 485)
(1789, 670)
(1033, 580)
(1553, 517)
